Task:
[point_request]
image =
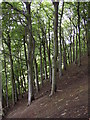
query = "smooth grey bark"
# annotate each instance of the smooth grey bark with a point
(36, 75)
(6, 80)
(71, 45)
(25, 52)
(41, 58)
(54, 68)
(24, 87)
(5, 76)
(41, 71)
(53, 87)
(68, 52)
(48, 52)
(50, 68)
(30, 55)
(60, 54)
(21, 76)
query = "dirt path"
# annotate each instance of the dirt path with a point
(70, 100)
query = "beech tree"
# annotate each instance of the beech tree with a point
(55, 54)
(39, 41)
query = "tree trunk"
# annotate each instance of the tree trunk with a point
(12, 71)
(79, 33)
(36, 75)
(88, 37)
(24, 87)
(41, 71)
(54, 87)
(68, 55)
(73, 47)
(64, 53)
(30, 56)
(5, 76)
(44, 52)
(85, 25)
(21, 76)
(54, 69)
(60, 54)
(6, 80)
(25, 51)
(18, 75)
(48, 52)
(84, 37)
(50, 68)
(70, 41)
(14, 88)
(18, 85)
(25, 41)
(76, 47)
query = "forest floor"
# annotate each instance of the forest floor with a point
(70, 100)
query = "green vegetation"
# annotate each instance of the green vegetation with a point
(39, 39)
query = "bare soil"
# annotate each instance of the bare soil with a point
(70, 100)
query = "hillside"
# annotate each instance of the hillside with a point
(70, 100)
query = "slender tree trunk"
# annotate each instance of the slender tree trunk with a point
(64, 54)
(48, 52)
(12, 71)
(78, 10)
(36, 75)
(60, 54)
(68, 55)
(18, 85)
(25, 51)
(54, 69)
(70, 49)
(44, 52)
(6, 80)
(5, 74)
(85, 25)
(24, 87)
(25, 41)
(41, 71)
(12, 78)
(73, 47)
(2, 97)
(88, 38)
(21, 76)
(30, 56)
(83, 44)
(76, 47)
(18, 75)
(16, 93)
(50, 68)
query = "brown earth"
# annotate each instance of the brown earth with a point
(70, 100)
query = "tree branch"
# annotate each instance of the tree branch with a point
(20, 11)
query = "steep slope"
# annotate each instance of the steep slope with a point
(70, 100)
